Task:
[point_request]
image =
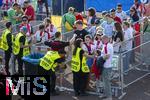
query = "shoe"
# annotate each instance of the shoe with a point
(77, 93)
(83, 94)
(125, 73)
(54, 93)
(102, 96)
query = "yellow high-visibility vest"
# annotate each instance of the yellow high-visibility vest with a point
(16, 46)
(75, 63)
(47, 62)
(3, 40)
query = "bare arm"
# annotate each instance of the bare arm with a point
(73, 39)
(88, 56)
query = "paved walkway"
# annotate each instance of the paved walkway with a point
(137, 91)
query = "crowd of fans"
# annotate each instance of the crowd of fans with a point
(92, 46)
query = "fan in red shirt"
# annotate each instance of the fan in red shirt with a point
(78, 16)
(29, 11)
(115, 18)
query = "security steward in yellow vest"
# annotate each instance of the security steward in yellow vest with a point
(21, 48)
(79, 68)
(6, 44)
(49, 63)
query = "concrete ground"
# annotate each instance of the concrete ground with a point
(137, 91)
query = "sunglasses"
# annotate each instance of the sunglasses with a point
(131, 10)
(24, 20)
(119, 8)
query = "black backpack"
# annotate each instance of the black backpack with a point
(100, 63)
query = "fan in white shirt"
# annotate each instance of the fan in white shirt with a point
(49, 27)
(97, 41)
(128, 36)
(120, 13)
(107, 51)
(41, 35)
(108, 26)
(88, 46)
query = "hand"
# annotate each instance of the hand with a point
(106, 56)
(74, 35)
(63, 66)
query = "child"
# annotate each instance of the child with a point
(49, 27)
(97, 42)
(89, 48)
(41, 35)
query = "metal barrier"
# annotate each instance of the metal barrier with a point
(68, 35)
(41, 16)
(138, 70)
(15, 28)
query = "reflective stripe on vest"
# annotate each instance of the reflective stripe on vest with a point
(16, 45)
(47, 62)
(26, 51)
(3, 41)
(75, 63)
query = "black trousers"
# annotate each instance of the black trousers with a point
(52, 76)
(80, 80)
(7, 59)
(20, 64)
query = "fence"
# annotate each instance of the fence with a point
(122, 76)
(41, 17)
(139, 68)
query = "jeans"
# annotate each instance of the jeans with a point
(13, 64)
(40, 11)
(106, 77)
(126, 60)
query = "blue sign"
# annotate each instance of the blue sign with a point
(101, 5)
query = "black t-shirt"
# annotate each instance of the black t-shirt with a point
(59, 60)
(81, 34)
(9, 41)
(22, 40)
(118, 35)
(135, 18)
(57, 45)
